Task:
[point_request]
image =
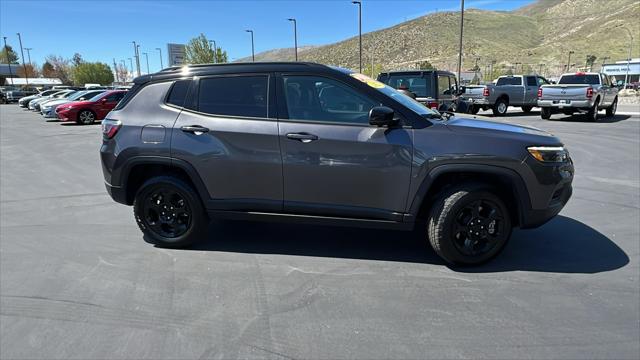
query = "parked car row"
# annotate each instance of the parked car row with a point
(82, 106)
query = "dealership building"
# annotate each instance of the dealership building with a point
(619, 70)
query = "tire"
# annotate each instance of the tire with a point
(454, 233)
(500, 107)
(527, 109)
(474, 109)
(611, 110)
(453, 107)
(86, 117)
(545, 113)
(592, 114)
(169, 212)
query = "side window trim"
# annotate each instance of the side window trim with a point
(283, 111)
(195, 95)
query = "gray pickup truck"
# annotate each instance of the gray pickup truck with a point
(579, 92)
(510, 90)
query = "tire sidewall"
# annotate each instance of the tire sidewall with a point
(497, 107)
(199, 220)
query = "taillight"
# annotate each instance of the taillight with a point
(110, 128)
(485, 92)
(432, 104)
(539, 92)
(589, 93)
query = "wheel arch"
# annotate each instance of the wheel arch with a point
(506, 182)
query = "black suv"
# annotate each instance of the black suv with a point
(436, 89)
(308, 142)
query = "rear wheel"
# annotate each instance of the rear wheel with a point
(500, 107)
(86, 117)
(169, 212)
(469, 225)
(611, 110)
(592, 114)
(545, 113)
(474, 109)
(527, 109)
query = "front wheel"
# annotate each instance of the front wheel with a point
(169, 212)
(611, 110)
(545, 113)
(469, 225)
(592, 114)
(86, 117)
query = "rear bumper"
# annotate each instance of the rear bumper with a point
(581, 104)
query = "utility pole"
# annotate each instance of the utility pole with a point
(516, 69)
(124, 66)
(131, 63)
(135, 55)
(161, 65)
(359, 3)
(146, 55)
(215, 51)
(460, 46)
(569, 60)
(24, 65)
(29, 54)
(253, 54)
(626, 76)
(295, 36)
(6, 52)
(115, 69)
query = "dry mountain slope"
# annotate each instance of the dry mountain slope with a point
(542, 32)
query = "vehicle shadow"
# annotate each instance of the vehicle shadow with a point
(564, 245)
(73, 123)
(603, 119)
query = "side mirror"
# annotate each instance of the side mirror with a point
(104, 100)
(382, 116)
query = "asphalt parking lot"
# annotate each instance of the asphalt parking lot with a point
(78, 281)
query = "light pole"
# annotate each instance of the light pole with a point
(215, 51)
(146, 56)
(516, 69)
(253, 54)
(6, 52)
(540, 71)
(24, 65)
(115, 69)
(626, 76)
(460, 46)
(295, 36)
(359, 3)
(135, 55)
(124, 66)
(29, 54)
(161, 66)
(131, 63)
(569, 60)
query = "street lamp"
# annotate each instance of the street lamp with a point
(29, 54)
(131, 63)
(26, 76)
(569, 60)
(6, 53)
(215, 51)
(115, 70)
(295, 36)
(161, 66)
(135, 54)
(253, 54)
(460, 45)
(359, 3)
(146, 57)
(626, 76)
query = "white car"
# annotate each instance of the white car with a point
(35, 103)
(48, 109)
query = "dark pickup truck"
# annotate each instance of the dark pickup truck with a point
(433, 88)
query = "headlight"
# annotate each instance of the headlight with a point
(549, 154)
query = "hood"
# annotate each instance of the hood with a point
(55, 102)
(476, 126)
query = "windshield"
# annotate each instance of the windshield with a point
(393, 93)
(581, 79)
(97, 97)
(414, 83)
(77, 95)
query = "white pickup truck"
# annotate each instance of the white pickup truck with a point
(579, 92)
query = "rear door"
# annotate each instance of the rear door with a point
(229, 134)
(513, 87)
(107, 103)
(334, 162)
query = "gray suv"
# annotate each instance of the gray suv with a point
(312, 143)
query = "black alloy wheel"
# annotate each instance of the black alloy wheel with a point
(167, 213)
(478, 227)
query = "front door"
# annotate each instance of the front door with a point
(531, 91)
(232, 142)
(334, 162)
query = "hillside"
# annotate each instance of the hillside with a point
(542, 32)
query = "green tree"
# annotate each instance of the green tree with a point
(425, 65)
(47, 70)
(199, 51)
(591, 59)
(8, 56)
(92, 73)
(221, 56)
(77, 59)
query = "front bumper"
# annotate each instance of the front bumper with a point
(66, 115)
(562, 104)
(49, 113)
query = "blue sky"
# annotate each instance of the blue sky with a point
(103, 30)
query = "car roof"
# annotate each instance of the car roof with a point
(230, 68)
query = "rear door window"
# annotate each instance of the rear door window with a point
(509, 80)
(242, 96)
(443, 85)
(531, 81)
(178, 92)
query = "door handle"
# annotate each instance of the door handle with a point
(195, 129)
(302, 137)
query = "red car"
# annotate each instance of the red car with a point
(88, 111)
